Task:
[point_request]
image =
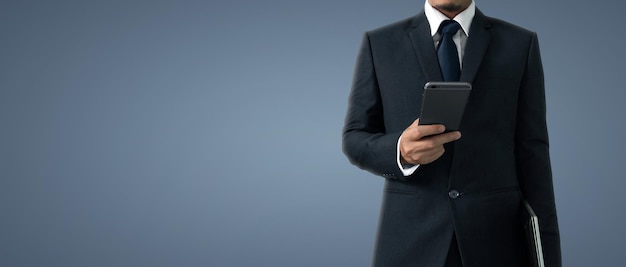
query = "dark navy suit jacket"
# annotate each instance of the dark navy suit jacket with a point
(501, 159)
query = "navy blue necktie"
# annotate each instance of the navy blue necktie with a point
(447, 53)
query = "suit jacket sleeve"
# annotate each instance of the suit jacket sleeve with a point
(365, 140)
(532, 154)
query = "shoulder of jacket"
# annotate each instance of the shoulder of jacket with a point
(499, 24)
(399, 26)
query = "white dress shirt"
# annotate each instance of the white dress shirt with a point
(435, 18)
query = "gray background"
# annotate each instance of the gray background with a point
(207, 133)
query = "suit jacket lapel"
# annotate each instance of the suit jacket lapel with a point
(476, 47)
(425, 48)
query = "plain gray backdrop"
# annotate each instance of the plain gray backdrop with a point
(208, 133)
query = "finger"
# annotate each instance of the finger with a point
(427, 130)
(417, 122)
(441, 139)
(416, 133)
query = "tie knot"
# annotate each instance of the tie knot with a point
(449, 27)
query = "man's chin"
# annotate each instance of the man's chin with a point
(450, 7)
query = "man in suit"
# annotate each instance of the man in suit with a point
(452, 200)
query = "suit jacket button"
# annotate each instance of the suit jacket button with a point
(454, 194)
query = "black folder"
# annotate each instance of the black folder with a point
(533, 237)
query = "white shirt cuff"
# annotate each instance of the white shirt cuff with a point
(407, 169)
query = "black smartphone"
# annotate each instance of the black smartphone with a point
(444, 103)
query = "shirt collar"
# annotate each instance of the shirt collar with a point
(435, 17)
